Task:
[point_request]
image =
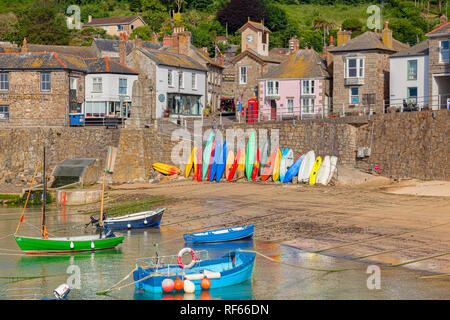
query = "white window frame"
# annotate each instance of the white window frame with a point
(170, 78)
(360, 63)
(308, 87)
(273, 88)
(46, 84)
(408, 69)
(194, 81)
(310, 106)
(291, 111)
(350, 97)
(73, 83)
(242, 75)
(126, 86)
(181, 80)
(97, 85)
(442, 50)
(4, 81)
(4, 112)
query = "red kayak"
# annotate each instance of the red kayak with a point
(255, 166)
(211, 159)
(199, 165)
(268, 169)
(234, 166)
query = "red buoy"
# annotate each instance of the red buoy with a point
(178, 284)
(168, 285)
(205, 284)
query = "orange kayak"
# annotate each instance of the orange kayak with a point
(166, 168)
(269, 166)
(255, 166)
(234, 166)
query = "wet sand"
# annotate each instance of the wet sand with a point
(359, 222)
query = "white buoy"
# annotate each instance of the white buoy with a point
(92, 245)
(129, 226)
(145, 221)
(189, 286)
(71, 245)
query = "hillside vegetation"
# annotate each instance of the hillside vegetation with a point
(311, 21)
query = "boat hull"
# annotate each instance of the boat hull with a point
(220, 235)
(241, 272)
(31, 245)
(152, 220)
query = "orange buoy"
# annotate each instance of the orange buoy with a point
(205, 284)
(168, 285)
(178, 284)
(205, 295)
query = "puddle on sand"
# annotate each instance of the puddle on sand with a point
(35, 277)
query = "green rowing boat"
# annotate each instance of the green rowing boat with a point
(35, 245)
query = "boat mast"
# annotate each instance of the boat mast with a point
(44, 202)
(101, 208)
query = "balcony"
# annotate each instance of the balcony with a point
(357, 81)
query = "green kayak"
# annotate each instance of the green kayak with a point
(251, 153)
(207, 155)
(35, 245)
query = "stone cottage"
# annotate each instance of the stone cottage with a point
(360, 69)
(114, 26)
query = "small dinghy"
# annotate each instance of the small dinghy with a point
(233, 268)
(219, 235)
(136, 220)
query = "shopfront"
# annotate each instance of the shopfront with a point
(184, 104)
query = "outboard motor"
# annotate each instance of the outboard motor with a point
(62, 291)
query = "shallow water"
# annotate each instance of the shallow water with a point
(35, 277)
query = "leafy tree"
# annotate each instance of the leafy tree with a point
(154, 13)
(135, 5)
(236, 13)
(145, 33)
(354, 25)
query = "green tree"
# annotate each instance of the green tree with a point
(135, 5)
(145, 33)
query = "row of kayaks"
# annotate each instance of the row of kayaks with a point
(219, 163)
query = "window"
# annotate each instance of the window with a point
(4, 113)
(354, 96)
(73, 83)
(308, 105)
(119, 27)
(444, 51)
(290, 105)
(95, 109)
(412, 69)
(243, 75)
(97, 85)
(194, 80)
(170, 78)
(45, 81)
(272, 88)
(4, 81)
(412, 94)
(308, 87)
(354, 68)
(181, 79)
(122, 86)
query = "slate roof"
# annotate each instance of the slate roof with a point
(254, 25)
(111, 21)
(420, 49)
(9, 49)
(369, 40)
(439, 31)
(112, 45)
(171, 59)
(205, 57)
(84, 52)
(271, 58)
(54, 61)
(301, 64)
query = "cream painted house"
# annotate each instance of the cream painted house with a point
(114, 26)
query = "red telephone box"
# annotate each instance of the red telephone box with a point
(252, 110)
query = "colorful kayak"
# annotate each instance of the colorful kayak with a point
(215, 161)
(199, 166)
(251, 154)
(220, 235)
(230, 161)
(222, 162)
(207, 155)
(284, 162)
(35, 245)
(268, 170)
(234, 166)
(145, 219)
(166, 168)
(293, 169)
(190, 163)
(233, 268)
(264, 155)
(241, 165)
(315, 169)
(276, 166)
(256, 166)
(306, 167)
(211, 158)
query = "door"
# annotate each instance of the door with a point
(273, 110)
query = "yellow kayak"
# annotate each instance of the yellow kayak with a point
(190, 162)
(315, 169)
(230, 161)
(166, 168)
(276, 166)
(241, 165)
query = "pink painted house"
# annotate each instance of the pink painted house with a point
(299, 87)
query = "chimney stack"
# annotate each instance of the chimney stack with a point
(167, 41)
(137, 42)
(387, 36)
(294, 44)
(24, 46)
(343, 36)
(122, 50)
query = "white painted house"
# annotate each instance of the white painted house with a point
(409, 76)
(108, 89)
(179, 81)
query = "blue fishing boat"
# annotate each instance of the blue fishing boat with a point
(144, 219)
(233, 268)
(220, 235)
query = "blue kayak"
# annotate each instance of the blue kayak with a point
(233, 268)
(293, 170)
(219, 235)
(215, 161)
(222, 163)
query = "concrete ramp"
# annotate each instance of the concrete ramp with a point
(85, 171)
